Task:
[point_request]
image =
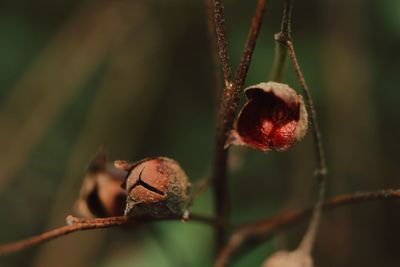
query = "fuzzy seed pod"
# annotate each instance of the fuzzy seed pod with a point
(156, 187)
(273, 118)
(101, 193)
(284, 258)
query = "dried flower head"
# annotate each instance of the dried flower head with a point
(273, 118)
(156, 187)
(101, 193)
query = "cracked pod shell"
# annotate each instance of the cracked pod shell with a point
(273, 118)
(156, 187)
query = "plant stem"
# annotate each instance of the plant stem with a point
(212, 40)
(75, 224)
(219, 21)
(219, 175)
(321, 170)
(254, 233)
(319, 150)
(280, 47)
(61, 231)
(228, 104)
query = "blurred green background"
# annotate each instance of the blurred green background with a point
(137, 78)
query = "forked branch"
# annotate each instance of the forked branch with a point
(252, 234)
(228, 104)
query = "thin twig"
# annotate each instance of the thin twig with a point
(241, 72)
(212, 38)
(319, 150)
(321, 170)
(229, 101)
(219, 21)
(75, 224)
(218, 177)
(249, 235)
(287, 20)
(280, 46)
(62, 231)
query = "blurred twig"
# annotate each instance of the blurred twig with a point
(249, 235)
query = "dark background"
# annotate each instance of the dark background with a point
(137, 77)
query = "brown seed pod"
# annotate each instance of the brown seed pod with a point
(273, 118)
(156, 187)
(101, 193)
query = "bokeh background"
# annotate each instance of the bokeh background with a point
(137, 78)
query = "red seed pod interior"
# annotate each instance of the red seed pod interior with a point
(156, 187)
(273, 118)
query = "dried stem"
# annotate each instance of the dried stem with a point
(228, 104)
(241, 72)
(213, 46)
(321, 170)
(75, 224)
(249, 235)
(219, 21)
(65, 230)
(319, 150)
(219, 177)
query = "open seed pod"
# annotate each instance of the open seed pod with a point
(101, 193)
(156, 187)
(273, 118)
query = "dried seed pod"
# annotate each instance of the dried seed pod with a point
(156, 187)
(273, 118)
(101, 193)
(284, 258)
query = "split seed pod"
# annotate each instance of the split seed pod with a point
(273, 118)
(101, 194)
(156, 187)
